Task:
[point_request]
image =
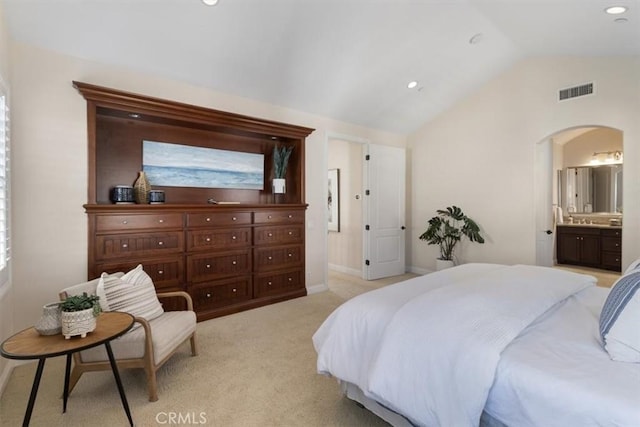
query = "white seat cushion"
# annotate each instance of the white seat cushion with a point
(168, 331)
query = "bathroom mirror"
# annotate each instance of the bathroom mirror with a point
(592, 189)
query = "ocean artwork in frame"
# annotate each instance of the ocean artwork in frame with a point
(177, 165)
(333, 200)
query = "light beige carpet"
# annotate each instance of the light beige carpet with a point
(255, 368)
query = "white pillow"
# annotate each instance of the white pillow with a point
(133, 293)
(634, 265)
(620, 319)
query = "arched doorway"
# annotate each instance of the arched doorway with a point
(578, 146)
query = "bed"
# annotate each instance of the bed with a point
(485, 344)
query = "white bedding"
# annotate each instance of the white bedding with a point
(410, 347)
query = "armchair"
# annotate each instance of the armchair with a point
(147, 347)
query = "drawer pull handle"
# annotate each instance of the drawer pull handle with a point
(268, 283)
(270, 234)
(234, 262)
(617, 244)
(125, 222)
(208, 239)
(290, 233)
(270, 257)
(160, 243)
(290, 279)
(617, 259)
(160, 272)
(208, 295)
(290, 216)
(208, 219)
(208, 265)
(233, 237)
(161, 221)
(234, 219)
(269, 217)
(235, 290)
(124, 245)
(290, 255)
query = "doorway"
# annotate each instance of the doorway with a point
(578, 147)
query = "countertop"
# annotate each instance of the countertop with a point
(589, 225)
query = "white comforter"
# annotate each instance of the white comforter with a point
(428, 348)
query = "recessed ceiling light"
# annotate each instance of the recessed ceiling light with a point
(477, 38)
(210, 2)
(615, 10)
(412, 84)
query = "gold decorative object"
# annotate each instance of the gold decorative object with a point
(141, 188)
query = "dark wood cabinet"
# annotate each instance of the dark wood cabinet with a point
(590, 246)
(228, 257)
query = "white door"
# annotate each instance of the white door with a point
(384, 235)
(544, 208)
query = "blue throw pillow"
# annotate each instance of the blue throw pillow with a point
(620, 318)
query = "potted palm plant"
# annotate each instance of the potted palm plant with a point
(79, 314)
(446, 229)
(280, 161)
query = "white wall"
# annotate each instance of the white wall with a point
(6, 291)
(479, 155)
(50, 166)
(579, 150)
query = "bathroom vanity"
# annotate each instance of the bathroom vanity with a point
(590, 245)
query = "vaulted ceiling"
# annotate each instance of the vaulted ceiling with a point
(350, 60)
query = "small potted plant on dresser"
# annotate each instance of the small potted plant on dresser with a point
(280, 162)
(79, 314)
(446, 229)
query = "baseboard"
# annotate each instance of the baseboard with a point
(418, 270)
(6, 373)
(322, 287)
(345, 270)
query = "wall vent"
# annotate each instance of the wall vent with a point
(573, 92)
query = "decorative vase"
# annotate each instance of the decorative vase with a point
(141, 188)
(49, 323)
(78, 323)
(442, 264)
(279, 186)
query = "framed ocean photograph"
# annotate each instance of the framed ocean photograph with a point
(176, 165)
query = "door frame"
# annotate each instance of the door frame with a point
(325, 189)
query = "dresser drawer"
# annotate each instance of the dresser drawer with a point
(218, 219)
(611, 232)
(138, 222)
(611, 244)
(165, 273)
(138, 245)
(216, 239)
(205, 267)
(272, 217)
(274, 284)
(278, 234)
(220, 294)
(612, 261)
(277, 258)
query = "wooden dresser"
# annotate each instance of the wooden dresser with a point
(228, 257)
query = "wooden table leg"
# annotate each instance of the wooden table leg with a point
(34, 392)
(65, 392)
(114, 368)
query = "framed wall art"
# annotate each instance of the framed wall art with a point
(176, 165)
(333, 200)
